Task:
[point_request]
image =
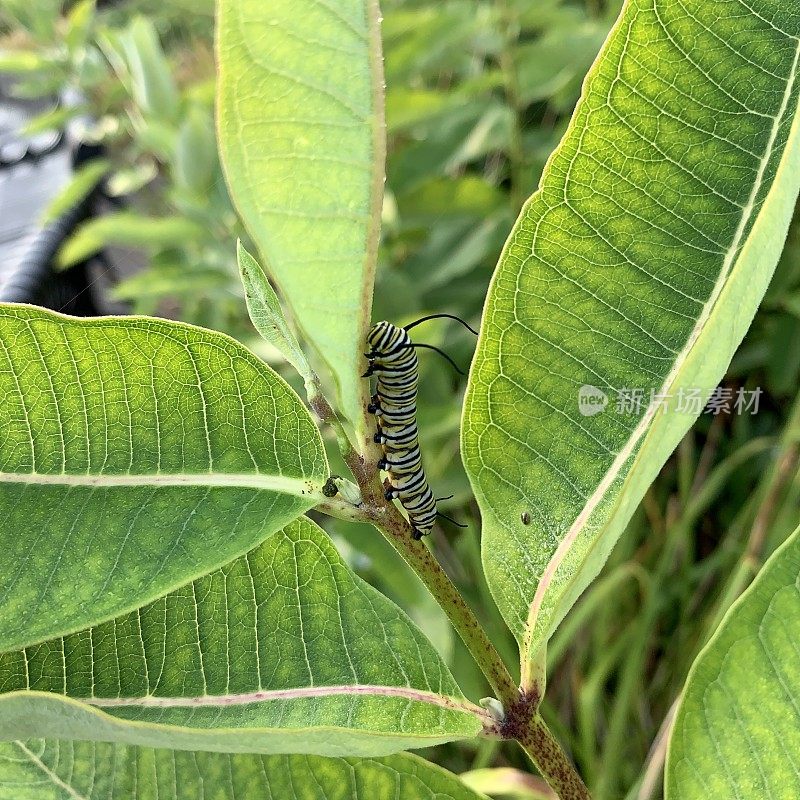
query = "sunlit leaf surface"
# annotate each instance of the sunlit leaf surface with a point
(302, 142)
(282, 650)
(636, 268)
(737, 729)
(135, 455)
(61, 770)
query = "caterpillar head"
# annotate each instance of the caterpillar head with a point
(377, 332)
(385, 338)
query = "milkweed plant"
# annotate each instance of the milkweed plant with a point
(174, 619)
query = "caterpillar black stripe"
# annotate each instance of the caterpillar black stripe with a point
(393, 360)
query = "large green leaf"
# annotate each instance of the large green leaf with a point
(300, 113)
(737, 729)
(638, 265)
(283, 650)
(135, 455)
(62, 770)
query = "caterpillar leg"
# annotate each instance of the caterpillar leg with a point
(417, 534)
(390, 493)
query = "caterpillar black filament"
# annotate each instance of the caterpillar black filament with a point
(393, 360)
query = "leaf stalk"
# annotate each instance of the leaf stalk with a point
(418, 556)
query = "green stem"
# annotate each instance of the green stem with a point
(335, 507)
(551, 761)
(322, 408)
(384, 515)
(417, 555)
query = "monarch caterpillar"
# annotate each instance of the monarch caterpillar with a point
(393, 360)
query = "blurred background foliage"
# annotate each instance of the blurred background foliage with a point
(479, 93)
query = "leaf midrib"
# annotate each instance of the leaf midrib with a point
(274, 483)
(638, 433)
(268, 695)
(77, 705)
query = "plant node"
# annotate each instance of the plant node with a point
(516, 723)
